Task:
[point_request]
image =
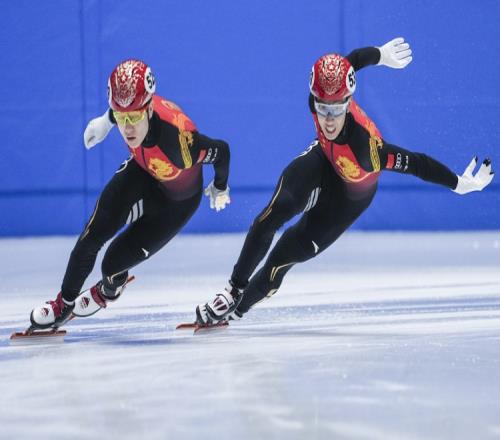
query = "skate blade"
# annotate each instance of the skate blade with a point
(37, 337)
(201, 327)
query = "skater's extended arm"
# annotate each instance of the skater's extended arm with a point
(97, 129)
(396, 54)
(216, 153)
(397, 159)
(363, 57)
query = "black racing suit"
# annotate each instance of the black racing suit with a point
(331, 183)
(155, 192)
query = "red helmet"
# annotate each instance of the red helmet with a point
(332, 78)
(130, 86)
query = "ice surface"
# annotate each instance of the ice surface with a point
(383, 336)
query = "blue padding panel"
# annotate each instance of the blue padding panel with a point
(240, 70)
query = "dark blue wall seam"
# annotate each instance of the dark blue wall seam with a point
(100, 88)
(84, 104)
(342, 19)
(234, 189)
(41, 193)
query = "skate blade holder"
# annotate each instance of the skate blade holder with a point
(201, 328)
(37, 337)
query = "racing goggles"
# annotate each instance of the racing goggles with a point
(333, 110)
(132, 118)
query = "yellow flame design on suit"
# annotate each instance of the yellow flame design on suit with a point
(162, 170)
(186, 140)
(348, 168)
(375, 145)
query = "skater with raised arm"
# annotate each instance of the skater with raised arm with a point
(331, 183)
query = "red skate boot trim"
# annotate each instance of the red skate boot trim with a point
(56, 312)
(220, 305)
(95, 291)
(58, 306)
(92, 300)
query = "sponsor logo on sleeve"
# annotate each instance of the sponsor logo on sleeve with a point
(402, 162)
(399, 159)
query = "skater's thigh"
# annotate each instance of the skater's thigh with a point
(333, 214)
(161, 221)
(296, 189)
(304, 175)
(125, 191)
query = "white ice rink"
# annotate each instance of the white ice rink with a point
(384, 336)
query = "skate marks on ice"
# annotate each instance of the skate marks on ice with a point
(385, 369)
(345, 350)
(125, 321)
(117, 327)
(363, 319)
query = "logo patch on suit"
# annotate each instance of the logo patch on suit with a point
(348, 168)
(161, 169)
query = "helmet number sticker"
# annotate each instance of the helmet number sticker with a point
(351, 80)
(149, 81)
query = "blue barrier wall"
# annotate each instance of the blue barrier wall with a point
(240, 69)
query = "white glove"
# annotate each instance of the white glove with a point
(218, 198)
(469, 182)
(97, 130)
(396, 54)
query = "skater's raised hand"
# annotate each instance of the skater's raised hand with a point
(469, 182)
(396, 54)
(97, 130)
(218, 198)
